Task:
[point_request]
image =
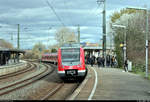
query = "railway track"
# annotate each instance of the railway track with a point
(53, 90)
(22, 83)
(29, 67)
(61, 91)
(54, 94)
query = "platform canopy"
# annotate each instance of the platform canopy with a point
(8, 56)
(98, 48)
(11, 50)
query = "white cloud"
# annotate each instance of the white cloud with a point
(37, 17)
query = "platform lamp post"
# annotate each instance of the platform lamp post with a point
(125, 38)
(146, 37)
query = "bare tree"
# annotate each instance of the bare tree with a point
(135, 30)
(5, 44)
(55, 46)
(38, 49)
(39, 46)
(64, 35)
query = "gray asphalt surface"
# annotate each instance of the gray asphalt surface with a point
(114, 84)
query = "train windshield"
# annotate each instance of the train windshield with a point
(70, 56)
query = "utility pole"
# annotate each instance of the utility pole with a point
(104, 27)
(79, 34)
(125, 44)
(147, 31)
(111, 34)
(18, 46)
(12, 38)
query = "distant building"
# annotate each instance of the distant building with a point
(96, 49)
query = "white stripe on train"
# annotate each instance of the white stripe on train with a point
(64, 71)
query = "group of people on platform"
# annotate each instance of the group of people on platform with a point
(100, 61)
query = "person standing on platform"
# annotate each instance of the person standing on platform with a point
(126, 66)
(112, 61)
(108, 60)
(99, 61)
(88, 59)
(103, 61)
(92, 61)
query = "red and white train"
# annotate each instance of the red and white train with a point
(50, 58)
(71, 61)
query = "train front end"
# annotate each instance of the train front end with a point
(71, 62)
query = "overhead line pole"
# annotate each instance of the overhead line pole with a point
(79, 34)
(146, 45)
(104, 27)
(18, 36)
(18, 44)
(104, 30)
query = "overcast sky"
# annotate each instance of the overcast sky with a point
(38, 23)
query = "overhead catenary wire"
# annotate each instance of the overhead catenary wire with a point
(55, 13)
(67, 13)
(92, 12)
(58, 17)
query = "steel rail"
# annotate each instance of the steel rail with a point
(28, 68)
(31, 79)
(52, 91)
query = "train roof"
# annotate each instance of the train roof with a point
(49, 54)
(71, 45)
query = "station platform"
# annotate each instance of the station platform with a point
(12, 67)
(112, 84)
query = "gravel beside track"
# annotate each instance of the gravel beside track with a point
(29, 68)
(53, 88)
(12, 95)
(66, 90)
(39, 89)
(8, 69)
(17, 79)
(53, 91)
(46, 84)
